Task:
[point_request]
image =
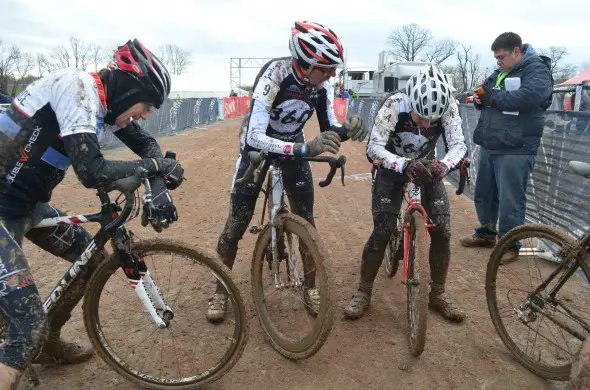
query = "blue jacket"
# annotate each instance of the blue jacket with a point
(504, 133)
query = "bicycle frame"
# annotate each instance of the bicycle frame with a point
(578, 258)
(112, 228)
(275, 191)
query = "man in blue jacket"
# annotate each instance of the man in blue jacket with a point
(513, 101)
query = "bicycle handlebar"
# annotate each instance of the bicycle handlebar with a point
(127, 187)
(259, 159)
(464, 177)
(335, 163)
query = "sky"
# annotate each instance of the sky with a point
(213, 31)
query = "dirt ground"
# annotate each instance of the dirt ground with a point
(370, 353)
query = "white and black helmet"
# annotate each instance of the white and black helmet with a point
(430, 94)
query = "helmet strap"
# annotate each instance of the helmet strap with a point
(300, 73)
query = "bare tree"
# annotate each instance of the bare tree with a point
(175, 58)
(469, 67)
(24, 63)
(60, 58)
(98, 56)
(408, 41)
(559, 70)
(411, 42)
(556, 54)
(7, 63)
(80, 53)
(564, 73)
(42, 64)
(182, 59)
(439, 51)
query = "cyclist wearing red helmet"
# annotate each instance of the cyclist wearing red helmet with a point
(286, 93)
(52, 124)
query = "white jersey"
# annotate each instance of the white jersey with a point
(395, 138)
(281, 105)
(63, 103)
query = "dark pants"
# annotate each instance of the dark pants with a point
(500, 191)
(298, 184)
(386, 203)
(20, 305)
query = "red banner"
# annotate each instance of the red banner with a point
(235, 106)
(340, 105)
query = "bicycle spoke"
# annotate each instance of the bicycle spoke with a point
(150, 352)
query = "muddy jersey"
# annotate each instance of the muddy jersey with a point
(281, 105)
(395, 138)
(32, 156)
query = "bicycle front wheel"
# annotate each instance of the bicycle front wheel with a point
(417, 283)
(538, 303)
(189, 352)
(291, 295)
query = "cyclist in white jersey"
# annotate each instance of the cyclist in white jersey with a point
(54, 123)
(286, 93)
(405, 133)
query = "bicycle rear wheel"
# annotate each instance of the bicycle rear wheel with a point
(543, 330)
(284, 313)
(189, 352)
(417, 284)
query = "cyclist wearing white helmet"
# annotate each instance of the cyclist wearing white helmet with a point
(54, 123)
(405, 133)
(286, 93)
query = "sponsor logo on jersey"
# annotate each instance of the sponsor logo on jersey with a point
(24, 154)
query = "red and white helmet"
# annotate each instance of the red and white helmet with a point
(316, 45)
(135, 59)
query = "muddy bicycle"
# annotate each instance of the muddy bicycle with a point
(139, 304)
(540, 303)
(410, 245)
(282, 282)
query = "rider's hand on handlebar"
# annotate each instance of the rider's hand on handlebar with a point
(355, 130)
(438, 170)
(171, 171)
(328, 141)
(418, 172)
(160, 212)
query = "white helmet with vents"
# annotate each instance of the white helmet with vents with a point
(430, 93)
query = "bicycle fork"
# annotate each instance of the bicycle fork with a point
(140, 279)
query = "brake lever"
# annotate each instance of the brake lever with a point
(258, 170)
(464, 176)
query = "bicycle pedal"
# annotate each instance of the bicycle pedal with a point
(255, 229)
